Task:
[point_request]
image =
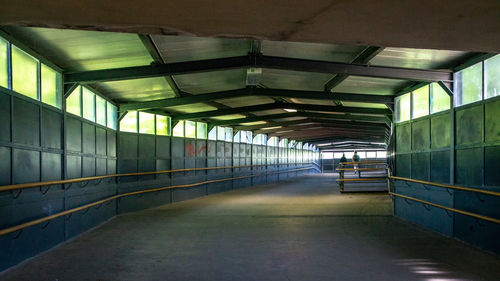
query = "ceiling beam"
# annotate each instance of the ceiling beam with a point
(279, 105)
(289, 115)
(379, 99)
(364, 57)
(253, 60)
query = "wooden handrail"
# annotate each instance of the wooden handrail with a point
(463, 188)
(70, 211)
(57, 182)
(447, 208)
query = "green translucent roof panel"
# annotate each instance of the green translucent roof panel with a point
(214, 81)
(369, 85)
(136, 90)
(311, 51)
(245, 101)
(364, 104)
(182, 48)
(191, 108)
(417, 58)
(78, 50)
(293, 80)
(228, 117)
(312, 101)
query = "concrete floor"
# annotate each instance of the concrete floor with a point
(296, 230)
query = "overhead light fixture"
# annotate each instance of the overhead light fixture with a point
(290, 110)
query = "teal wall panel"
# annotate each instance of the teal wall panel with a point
(440, 166)
(469, 165)
(420, 166)
(469, 123)
(440, 131)
(420, 134)
(492, 121)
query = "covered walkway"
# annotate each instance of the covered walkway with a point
(291, 230)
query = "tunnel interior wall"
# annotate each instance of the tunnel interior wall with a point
(40, 143)
(423, 152)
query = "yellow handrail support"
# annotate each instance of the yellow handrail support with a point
(70, 211)
(447, 208)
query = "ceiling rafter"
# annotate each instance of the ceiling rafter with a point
(244, 92)
(253, 60)
(279, 105)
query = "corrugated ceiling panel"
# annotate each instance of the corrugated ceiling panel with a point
(191, 108)
(245, 101)
(215, 81)
(181, 48)
(293, 80)
(417, 58)
(363, 104)
(311, 101)
(368, 85)
(311, 51)
(228, 117)
(269, 112)
(136, 90)
(77, 50)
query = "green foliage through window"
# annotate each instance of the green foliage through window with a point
(469, 85)
(421, 102)
(190, 129)
(111, 115)
(129, 122)
(146, 123)
(492, 76)
(403, 108)
(440, 99)
(201, 130)
(178, 130)
(73, 102)
(162, 125)
(4, 75)
(100, 110)
(24, 73)
(50, 86)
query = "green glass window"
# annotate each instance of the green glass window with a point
(190, 129)
(421, 102)
(50, 86)
(221, 133)
(88, 104)
(469, 85)
(243, 137)
(100, 110)
(236, 138)
(229, 134)
(403, 108)
(249, 137)
(111, 115)
(73, 102)
(492, 76)
(146, 123)
(129, 122)
(162, 125)
(4, 75)
(212, 135)
(178, 130)
(440, 99)
(201, 130)
(24, 73)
